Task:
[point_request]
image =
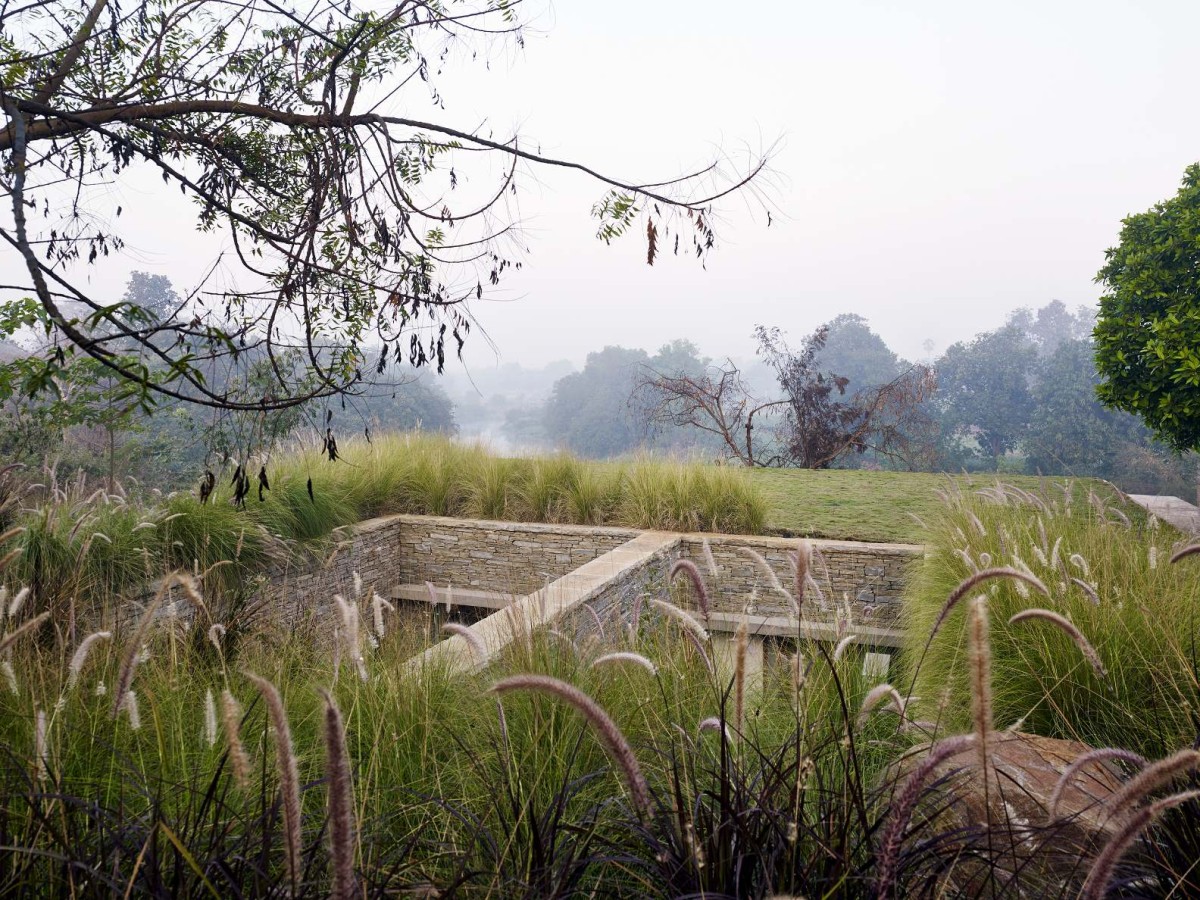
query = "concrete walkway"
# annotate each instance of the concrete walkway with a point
(544, 606)
(1183, 515)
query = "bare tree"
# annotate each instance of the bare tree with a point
(717, 402)
(813, 425)
(351, 225)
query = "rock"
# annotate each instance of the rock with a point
(1000, 840)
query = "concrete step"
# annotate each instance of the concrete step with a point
(545, 606)
(789, 626)
(1172, 510)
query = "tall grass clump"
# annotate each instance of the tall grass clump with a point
(79, 544)
(1108, 658)
(563, 767)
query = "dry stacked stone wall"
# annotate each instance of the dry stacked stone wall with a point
(518, 558)
(305, 587)
(511, 557)
(870, 577)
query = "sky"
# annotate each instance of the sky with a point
(935, 165)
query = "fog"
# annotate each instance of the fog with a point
(934, 167)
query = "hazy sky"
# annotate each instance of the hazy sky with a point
(942, 162)
(939, 164)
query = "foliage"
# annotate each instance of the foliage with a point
(1144, 619)
(587, 411)
(1148, 331)
(346, 218)
(1069, 430)
(857, 353)
(820, 428)
(983, 389)
(591, 412)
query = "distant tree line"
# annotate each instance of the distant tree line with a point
(88, 420)
(1020, 398)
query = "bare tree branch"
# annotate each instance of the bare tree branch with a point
(349, 223)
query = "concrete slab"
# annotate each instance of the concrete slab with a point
(1172, 510)
(544, 606)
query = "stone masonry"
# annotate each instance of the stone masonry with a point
(519, 558)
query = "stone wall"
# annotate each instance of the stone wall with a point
(518, 558)
(870, 576)
(611, 607)
(513, 557)
(305, 586)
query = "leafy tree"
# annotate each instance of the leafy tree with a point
(347, 218)
(1053, 325)
(418, 404)
(984, 389)
(1148, 331)
(154, 294)
(857, 353)
(588, 411)
(598, 411)
(1070, 431)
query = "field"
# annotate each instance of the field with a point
(857, 505)
(209, 748)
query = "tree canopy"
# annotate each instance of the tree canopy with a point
(1148, 332)
(354, 221)
(856, 352)
(597, 412)
(815, 424)
(983, 387)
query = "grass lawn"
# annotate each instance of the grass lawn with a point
(859, 505)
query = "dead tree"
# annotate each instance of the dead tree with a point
(813, 425)
(717, 402)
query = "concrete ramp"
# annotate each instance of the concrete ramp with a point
(545, 606)
(1183, 515)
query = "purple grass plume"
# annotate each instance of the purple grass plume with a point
(689, 568)
(341, 801)
(606, 730)
(289, 776)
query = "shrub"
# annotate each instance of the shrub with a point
(1112, 579)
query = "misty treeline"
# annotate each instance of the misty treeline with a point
(89, 421)
(1019, 398)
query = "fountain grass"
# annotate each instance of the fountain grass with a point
(429, 752)
(84, 546)
(1111, 582)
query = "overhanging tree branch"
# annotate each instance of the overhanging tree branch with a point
(352, 225)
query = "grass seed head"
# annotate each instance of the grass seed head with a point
(626, 656)
(341, 801)
(684, 618)
(689, 568)
(606, 730)
(80, 657)
(231, 719)
(1095, 887)
(472, 638)
(1068, 628)
(1091, 757)
(289, 775)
